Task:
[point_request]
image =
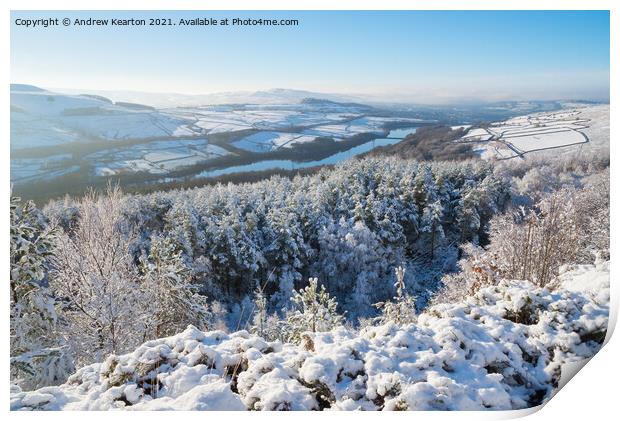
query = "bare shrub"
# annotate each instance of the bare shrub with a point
(568, 226)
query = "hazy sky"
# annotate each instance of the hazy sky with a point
(421, 56)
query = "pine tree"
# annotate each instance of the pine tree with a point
(432, 215)
(173, 300)
(285, 251)
(259, 321)
(402, 310)
(38, 355)
(315, 311)
(351, 261)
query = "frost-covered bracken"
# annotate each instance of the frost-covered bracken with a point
(502, 348)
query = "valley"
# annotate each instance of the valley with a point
(65, 143)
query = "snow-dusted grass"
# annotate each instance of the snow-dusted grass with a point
(477, 134)
(217, 119)
(567, 129)
(538, 141)
(161, 158)
(598, 130)
(500, 349)
(464, 126)
(45, 118)
(269, 141)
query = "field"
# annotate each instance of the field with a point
(521, 135)
(54, 136)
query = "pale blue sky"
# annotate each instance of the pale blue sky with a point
(423, 56)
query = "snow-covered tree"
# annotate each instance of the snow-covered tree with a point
(347, 225)
(402, 310)
(38, 355)
(351, 260)
(314, 311)
(96, 280)
(285, 252)
(234, 256)
(259, 320)
(479, 268)
(173, 300)
(433, 213)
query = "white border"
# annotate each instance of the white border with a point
(591, 394)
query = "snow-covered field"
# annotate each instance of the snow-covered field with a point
(137, 133)
(353, 127)
(477, 134)
(159, 159)
(538, 141)
(221, 118)
(564, 130)
(501, 349)
(24, 169)
(43, 118)
(269, 141)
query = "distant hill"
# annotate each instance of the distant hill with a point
(433, 143)
(262, 97)
(99, 97)
(42, 118)
(19, 87)
(327, 102)
(134, 106)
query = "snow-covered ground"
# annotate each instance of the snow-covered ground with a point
(43, 118)
(157, 159)
(350, 128)
(563, 131)
(137, 133)
(24, 169)
(477, 134)
(269, 141)
(218, 119)
(500, 349)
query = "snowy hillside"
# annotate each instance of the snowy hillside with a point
(88, 136)
(44, 118)
(269, 96)
(502, 348)
(577, 127)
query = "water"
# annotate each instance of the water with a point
(393, 137)
(401, 133)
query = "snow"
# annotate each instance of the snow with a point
(350, 128)
(543, 140)
(501, 349)
(581, 278)
(43, 118)
(477, 134)
(270, 140)
(218, 119)
(158, 157)
(583, 127)
(215, 395)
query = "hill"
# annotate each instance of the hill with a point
(477, 355)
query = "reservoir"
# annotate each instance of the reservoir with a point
(394, 136)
